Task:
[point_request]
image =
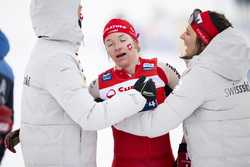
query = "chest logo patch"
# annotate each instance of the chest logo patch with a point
(148, 66)
(106, 76)
(111, 93)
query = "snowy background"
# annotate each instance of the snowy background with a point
(159, 22)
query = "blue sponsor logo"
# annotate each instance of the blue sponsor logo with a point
(148, 66)
(150, 105)
(107, 76)
(248, 75)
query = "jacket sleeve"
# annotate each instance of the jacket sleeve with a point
(172, 74)
(94, 90)
(4, 45)
(66, 84)
(172, 78)
(180, 104)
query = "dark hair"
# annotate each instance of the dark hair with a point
(200, 45)
(220, 22)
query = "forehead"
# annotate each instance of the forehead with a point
(116, 36)
(190, 30)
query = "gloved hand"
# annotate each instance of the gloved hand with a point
(183, 159)
(11, 140)
(5, 119)
(148, 90)
(98, 100)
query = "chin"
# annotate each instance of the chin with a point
(122, 66)
(187, 56)
(122, 63)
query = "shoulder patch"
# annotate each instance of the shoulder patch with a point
(94, 89)
(26, 80)
(148, 66)
(106, 76)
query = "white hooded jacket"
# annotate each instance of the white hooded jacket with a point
(213, 100)
(56, 106)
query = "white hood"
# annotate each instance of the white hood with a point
(228, 55)
(56, 20)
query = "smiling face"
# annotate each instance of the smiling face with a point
(189, 38)
(122, 49)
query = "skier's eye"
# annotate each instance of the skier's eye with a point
(122, 38)
(108, 43)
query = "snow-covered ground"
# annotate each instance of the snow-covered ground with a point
(145, 14)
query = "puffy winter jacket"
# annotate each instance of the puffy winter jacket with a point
(213, 100)
(6, 90)
(56, 107)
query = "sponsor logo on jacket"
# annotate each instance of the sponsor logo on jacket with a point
(175, 71)
(107, 76)
(148, 66)
(237, 89)
(112, 92)
(26, 80)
